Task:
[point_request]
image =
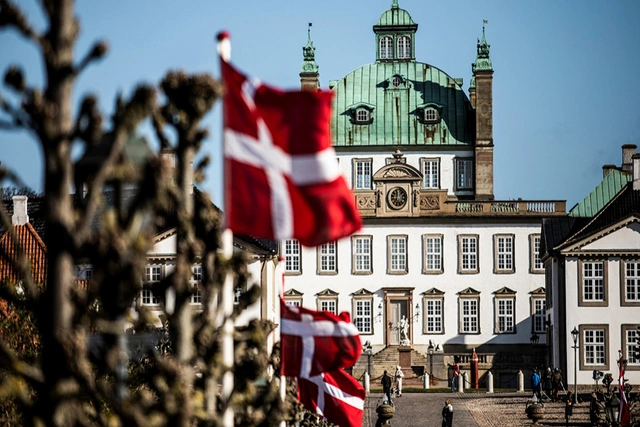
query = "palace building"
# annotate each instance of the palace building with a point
(436, 247)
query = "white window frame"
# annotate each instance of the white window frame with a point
(397, 254)
(504, 253)
(153, 274)
(464, 174)
(594, 347)
(535, 263)
(469, 315)
(593, 286)
(630, 283)
(292, 257)
(631, 339)
(361, 254)
(329, 304)
(538, 315)
(404, 47)
(505, 321)
(433, 250)
(238, 291)
(433, 315)
(363, 314)
(468, 253)
(196, 281)
(430, 115)
(386, 47)
(431, 173)
(362, 174)
(293, 302)
(328, 258)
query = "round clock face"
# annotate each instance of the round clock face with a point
(397, 198)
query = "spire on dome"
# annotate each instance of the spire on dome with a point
(483, 62)
(394, 4)
(309, 54)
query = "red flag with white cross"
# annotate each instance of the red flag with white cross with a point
(282, 179)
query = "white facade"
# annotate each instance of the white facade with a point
(601, 278)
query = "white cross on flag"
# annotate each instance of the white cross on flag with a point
(313, 342)
(336, 396)
(624, 414)
(282, 179)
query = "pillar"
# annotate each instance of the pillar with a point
(520, 381)
(489, 382)
(474, 369)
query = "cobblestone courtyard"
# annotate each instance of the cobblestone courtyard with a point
(472, 409)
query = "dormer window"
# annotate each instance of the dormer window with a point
(429, 113)
(361, 114)
(386, 47)
(396, 81)
(404, 47)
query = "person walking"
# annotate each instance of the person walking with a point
(568, 408)
(456, 373)
(386, 386)
(535, 385)
(556, 383)
(447, 414)
(547, 383)
(399, 375)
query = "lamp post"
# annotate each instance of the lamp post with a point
(430, 351)
(574, 335)
(368, 351)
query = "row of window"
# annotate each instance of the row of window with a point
(594, 286)
(364, 115)
(430, 168)
(594, 346)
(155, 273)
(403, 51)
(432, 256)
(433, 312)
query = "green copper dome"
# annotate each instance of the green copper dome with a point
(401, 103)
(395, 16)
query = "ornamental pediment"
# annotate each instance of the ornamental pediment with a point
(397, 171)
(505, 291)
(327, 293)
(293, 293)
(433, 292)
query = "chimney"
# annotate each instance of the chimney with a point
(606, 170)
(636, 171)
(20, 216)
(628, 150)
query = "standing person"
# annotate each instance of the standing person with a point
(535, 384)
(399, 375)
(456, 373)
(547, 383)
(556, 382)
(447, 414)
(568, 408)
(594, 410)
(386, 386)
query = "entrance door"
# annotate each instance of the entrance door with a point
(397, 309)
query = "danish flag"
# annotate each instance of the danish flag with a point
(282, 179)
(625, 415)
(336, 396)
(313, 342)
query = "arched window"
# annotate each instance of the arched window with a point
(431, 115)
(404, 47)
(362, 115)
(386, 48)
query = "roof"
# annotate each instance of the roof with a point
(395, 16)
(396, 111)
(35, 208)
(557, 230)
(601, 194)
(33, 247)
(625, 204)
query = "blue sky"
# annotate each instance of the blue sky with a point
(566, 85)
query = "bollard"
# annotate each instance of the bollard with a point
(460, 384)
(520, 381)
(489, 382)
(425, 381)
(474, 370)
(367, 382)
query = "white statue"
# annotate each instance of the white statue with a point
(403, 327)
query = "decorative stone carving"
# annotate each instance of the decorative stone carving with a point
(366, 202)
(396, 173)
(429, 202)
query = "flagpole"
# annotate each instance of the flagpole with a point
(226, 308)
(283, 379)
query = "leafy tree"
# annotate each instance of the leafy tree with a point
(65, 385)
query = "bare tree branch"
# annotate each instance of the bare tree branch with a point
(12, 16)
(98, 51)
